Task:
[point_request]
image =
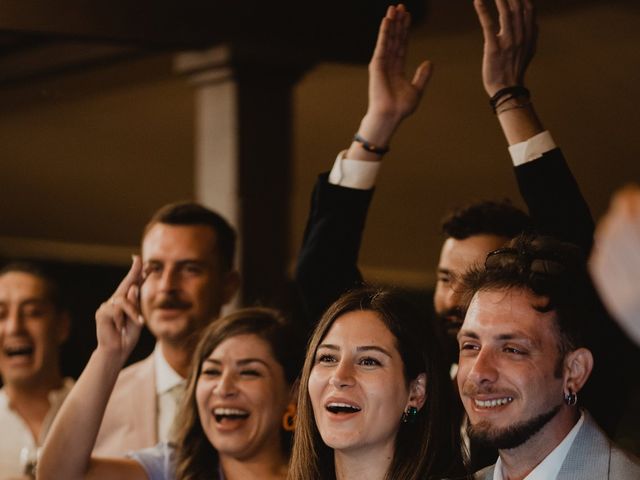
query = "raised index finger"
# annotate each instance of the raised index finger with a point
(133, 277)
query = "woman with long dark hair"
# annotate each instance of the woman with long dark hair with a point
(239, 396)
(375, 399)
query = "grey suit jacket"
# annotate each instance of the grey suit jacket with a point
(591, 457)
(130, 419)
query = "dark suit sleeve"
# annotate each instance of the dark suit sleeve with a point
(327, 263)
(554, 200)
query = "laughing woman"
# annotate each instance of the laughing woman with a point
(230, 424)
(375, 399)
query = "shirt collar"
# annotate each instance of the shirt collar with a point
(550, 466)
(55, 396)
(166, 377)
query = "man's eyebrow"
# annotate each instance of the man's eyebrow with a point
(467, 333)
(520, 336)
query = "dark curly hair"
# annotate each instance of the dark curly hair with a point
(499, 218)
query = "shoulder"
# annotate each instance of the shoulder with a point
(142, 371)
(484, 474)
(623, 465)
(158, 461)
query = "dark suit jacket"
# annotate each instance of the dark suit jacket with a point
(328, 261)
(591, 457)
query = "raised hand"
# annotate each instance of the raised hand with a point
(509, 46)
(118, 320)
(392, 95)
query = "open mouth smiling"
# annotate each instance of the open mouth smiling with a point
(493, 403)
(222, 414)
(342, 408)
(18, 350)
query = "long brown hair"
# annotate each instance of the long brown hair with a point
(428, 448)
(196, 458)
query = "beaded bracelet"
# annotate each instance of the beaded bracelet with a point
(369, 147)
(513, 92)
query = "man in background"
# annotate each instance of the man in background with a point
(33, 325)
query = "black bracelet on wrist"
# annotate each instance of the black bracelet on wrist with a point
(512, 92)
(369, 147)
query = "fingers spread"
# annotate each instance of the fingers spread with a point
(422, 76)
(505, 18)
(485, 18)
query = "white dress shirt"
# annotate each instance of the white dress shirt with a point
(17, 444)
(549, 467)
(362, 174)
(169, 390)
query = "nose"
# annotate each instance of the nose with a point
(453, 295)
(483, 370)
(343, 375)
(226, 386)
(168, 279)
(13, 322)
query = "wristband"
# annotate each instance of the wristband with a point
(511, 92)
(369, 147)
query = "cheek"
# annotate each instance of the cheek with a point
(316, 383)
(202, 393)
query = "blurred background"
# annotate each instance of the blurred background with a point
(109, 110)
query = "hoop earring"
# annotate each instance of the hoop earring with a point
(571, 398)
(289, 418)
(410, 415)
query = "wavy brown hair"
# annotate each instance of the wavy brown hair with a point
(428, 448)
(196, 458)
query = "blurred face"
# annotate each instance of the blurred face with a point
(31, 330)
(508, 378)
(357, 385)
(184, 285)
(456, 257)
(242, 395)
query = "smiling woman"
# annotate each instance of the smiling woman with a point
(375, 399)
(238, 397)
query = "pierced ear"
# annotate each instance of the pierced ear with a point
(577, 365)
(231, 286)
(418, 391)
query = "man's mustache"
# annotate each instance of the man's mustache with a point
(172, 303)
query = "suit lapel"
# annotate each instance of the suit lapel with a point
(589, 456)
(144, 404)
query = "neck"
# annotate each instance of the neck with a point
(364, 464)
(31, 401)
(268, 465)
(518, 462)
(178, 357)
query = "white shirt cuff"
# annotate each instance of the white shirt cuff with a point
(531, 149)
(359, 174)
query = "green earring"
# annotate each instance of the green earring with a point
(410, 415)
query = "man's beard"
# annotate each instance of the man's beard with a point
(450, 322)
(512, 436)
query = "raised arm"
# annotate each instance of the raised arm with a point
(67, 450)
(327, 263)
(508, 50)
(546, 183)
(392, 95)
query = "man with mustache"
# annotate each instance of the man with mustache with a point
(187, 255)
(524, 359)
